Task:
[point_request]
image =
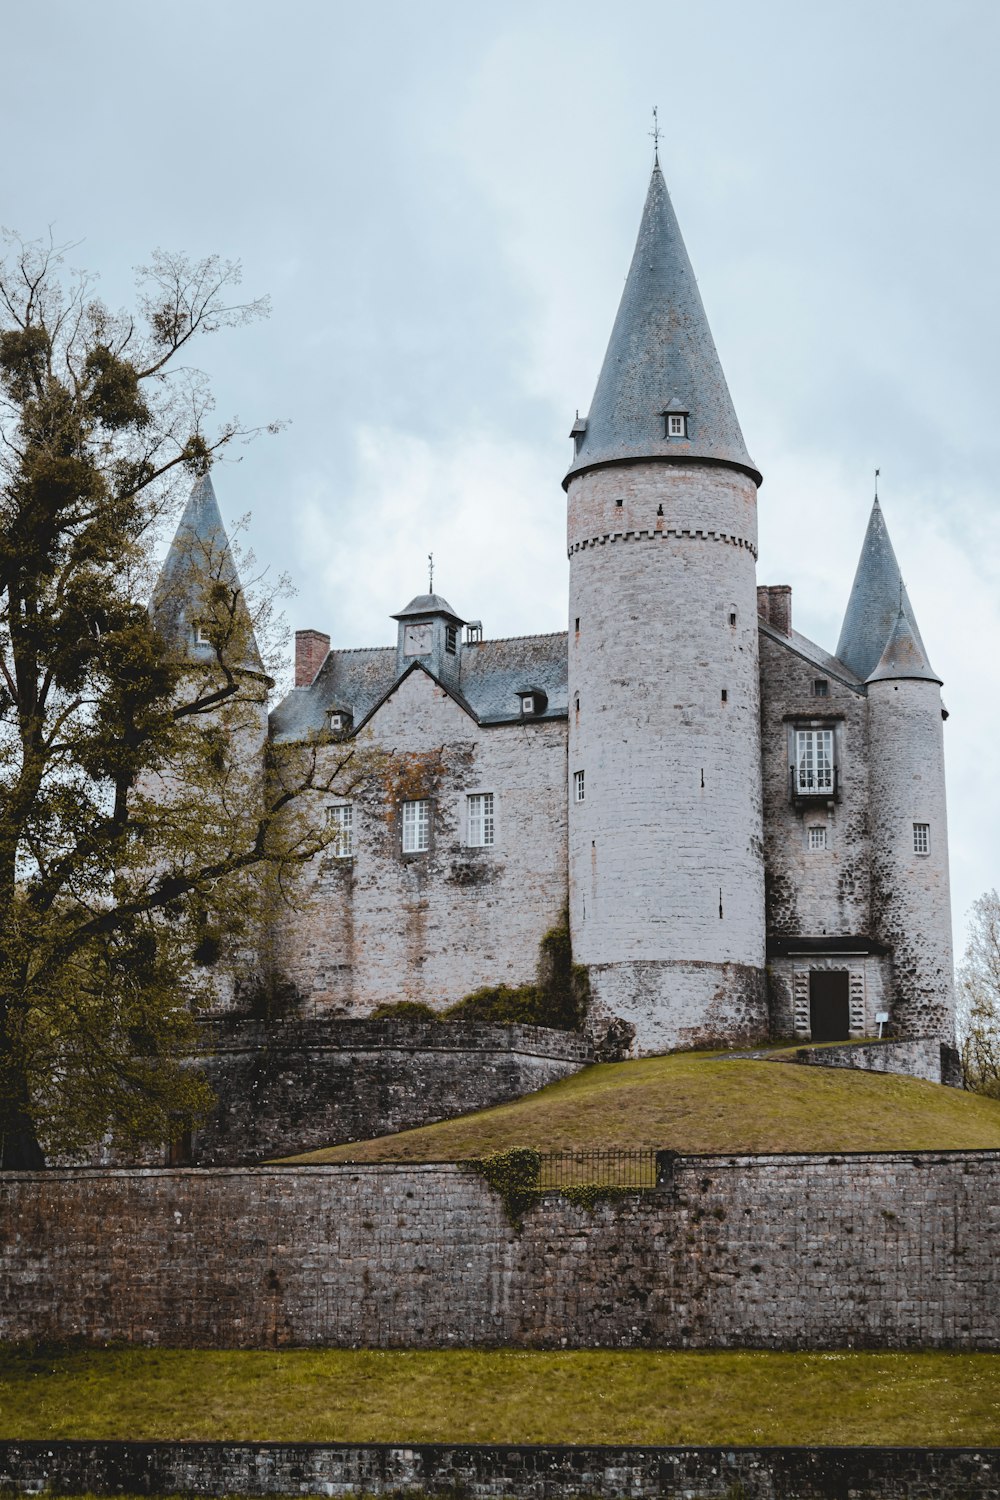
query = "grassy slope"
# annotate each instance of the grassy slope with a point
(580, 1396)
(694, 1103)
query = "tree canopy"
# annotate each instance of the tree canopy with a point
(137, 833)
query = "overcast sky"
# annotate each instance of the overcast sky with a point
(442, 198)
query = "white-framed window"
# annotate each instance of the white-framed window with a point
(578, 786)
(921, 838)
(817, 837)
(527, 703)
(338, 721)
(676, 424)
(201, 633)
(479, 820)
(417, 826)
(340, 819)
(814, 762)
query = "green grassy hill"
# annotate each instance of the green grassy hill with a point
(693, 1102)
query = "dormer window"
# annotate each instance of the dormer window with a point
(531, 702)
(451, 639)
(338, 720)
(675, 422)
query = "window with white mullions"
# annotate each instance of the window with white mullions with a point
(480, 820)
(814, 761)
(340, 820)
(921, 838)
(416, 827)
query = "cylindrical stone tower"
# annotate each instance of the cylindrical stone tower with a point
(911, 899)
(665, 835)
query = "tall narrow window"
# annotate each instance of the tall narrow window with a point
(451, 639)
(416, 827)
(480, 820)
(921, 838)
(340, 820)
(817, 838)
(814, 762)
(578, 790)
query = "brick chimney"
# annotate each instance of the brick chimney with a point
(774, 604)
(311, 650)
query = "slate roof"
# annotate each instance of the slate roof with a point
(832, 666)
(661, 355)
(198, 555)
(904, 656)
(428, 604)
(491, 673)
(875, 602)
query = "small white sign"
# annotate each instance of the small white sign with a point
(881, 1017)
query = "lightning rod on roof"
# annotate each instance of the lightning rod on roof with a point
(655, 134)
(430, 571)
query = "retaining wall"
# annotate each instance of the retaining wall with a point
(796, 1252)
(498, 1471)
(288, 1087)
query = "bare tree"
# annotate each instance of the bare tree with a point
(979, 999)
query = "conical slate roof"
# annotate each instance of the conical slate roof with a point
(904, 655)
(876, 599)
(199, 556)
(661, 357)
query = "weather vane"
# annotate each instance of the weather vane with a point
(430, 560)
(655, 134)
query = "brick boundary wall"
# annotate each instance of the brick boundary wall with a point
(496, 1471)
(293, 1086)
(894, 1250)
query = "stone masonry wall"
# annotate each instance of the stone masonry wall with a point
(813, 891)
(911, 900)
(897, 1250)
(383, 926)
(497, 1471)
(291, 1087)
(666, 869)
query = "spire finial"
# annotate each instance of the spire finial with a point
(877, 472)
(430, 565)
(655, 134)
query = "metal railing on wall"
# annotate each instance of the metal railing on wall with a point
(598, 1168)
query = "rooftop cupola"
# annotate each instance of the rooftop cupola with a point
(661, 392)
(430, 632)
(198, 605)
(877, 596)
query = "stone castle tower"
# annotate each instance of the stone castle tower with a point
(666, 870)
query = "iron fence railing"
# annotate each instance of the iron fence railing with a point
(598, 1168)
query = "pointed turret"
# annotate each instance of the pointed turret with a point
(904, 656)
(199, 560)
(661, 392)
(876, 598)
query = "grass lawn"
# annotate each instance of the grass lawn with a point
(695, 1102)
(581, 1396)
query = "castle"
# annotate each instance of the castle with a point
(748, 832)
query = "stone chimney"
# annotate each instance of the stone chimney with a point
(774, 605)
(311, 650)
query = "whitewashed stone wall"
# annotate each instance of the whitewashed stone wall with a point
(911, 900)
(666, 863)
(813, 892)
(384, 926)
